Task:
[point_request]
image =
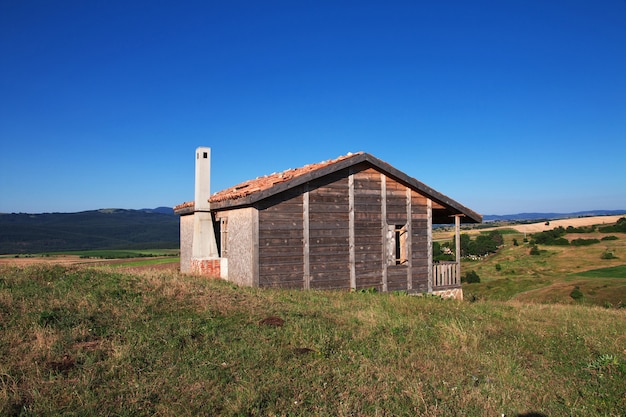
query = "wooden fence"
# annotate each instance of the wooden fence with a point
(446, 275)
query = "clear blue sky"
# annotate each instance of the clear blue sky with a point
(506, 106)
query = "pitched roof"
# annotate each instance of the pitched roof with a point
(263, 183)
(252, 191)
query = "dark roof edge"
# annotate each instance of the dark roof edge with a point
(343, 164)
(434, 195)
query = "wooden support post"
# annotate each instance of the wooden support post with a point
(409, 240)
(457, 241)
(384, 231)
(305, 237)
(351, 233)
(429, 242)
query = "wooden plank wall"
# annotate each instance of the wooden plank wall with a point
(280, 256)
(329, 256)
(396, 199)
(305, 238)
(420, 242)
(367, 229)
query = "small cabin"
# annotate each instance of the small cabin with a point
(354, 222)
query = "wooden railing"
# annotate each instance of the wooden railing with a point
(446, 275)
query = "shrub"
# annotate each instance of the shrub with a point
(498, 267)
(484, 244)
(548, 237)
(576, 294)
(611, 237)
(470, 277)
(561, 241)
(534, 250)
(584, 242)
(515, 242)
(620, 226)
(608, 255)
(588, 229)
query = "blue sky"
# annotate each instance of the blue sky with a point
(506, 106)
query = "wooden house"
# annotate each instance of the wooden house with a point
(351, 223)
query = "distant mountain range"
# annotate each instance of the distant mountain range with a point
(550, 216)
(96, 229)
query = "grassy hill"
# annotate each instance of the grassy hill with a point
(85, 341)
(552, 275)
(95, 229)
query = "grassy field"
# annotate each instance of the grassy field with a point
(550, 277)
(87, 341)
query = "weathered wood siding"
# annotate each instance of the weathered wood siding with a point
(396, 200)
(368, 234)
(419, 242)
(329, 265)
(305, 238)
(280, 252)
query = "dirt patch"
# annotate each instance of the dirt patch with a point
(22, 260)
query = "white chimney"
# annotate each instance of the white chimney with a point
(204, 242)
(203, 178)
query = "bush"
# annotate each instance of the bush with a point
(470, 277)
(611, 237)
(561, 241)
(515, 242)
(576, 294)
(620, 226)
(534, 250)
(550, 237)
(587, 229)
(498, 267)
(608, 255)
(484, 244)
(584, 242)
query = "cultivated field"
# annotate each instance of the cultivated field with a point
(160, 258)
(574, 222)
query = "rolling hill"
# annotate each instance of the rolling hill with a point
(95, 229)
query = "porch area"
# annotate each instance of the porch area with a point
(446, 275)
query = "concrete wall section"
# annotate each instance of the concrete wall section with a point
(186, 241)
(242, 241)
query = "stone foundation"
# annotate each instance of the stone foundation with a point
(455, 293)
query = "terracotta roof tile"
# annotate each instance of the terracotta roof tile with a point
(263, 183)
(185, 205)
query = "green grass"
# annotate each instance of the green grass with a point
(612, 272)
(87, 341)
